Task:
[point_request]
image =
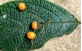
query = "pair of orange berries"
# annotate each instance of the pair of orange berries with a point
(30, 35)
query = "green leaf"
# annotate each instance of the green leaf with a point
(14, 24)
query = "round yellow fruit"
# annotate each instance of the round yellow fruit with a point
(34, 25)
(31, 35)
(21, 6)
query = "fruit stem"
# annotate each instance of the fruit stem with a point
(32, 43)
(46, 23)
